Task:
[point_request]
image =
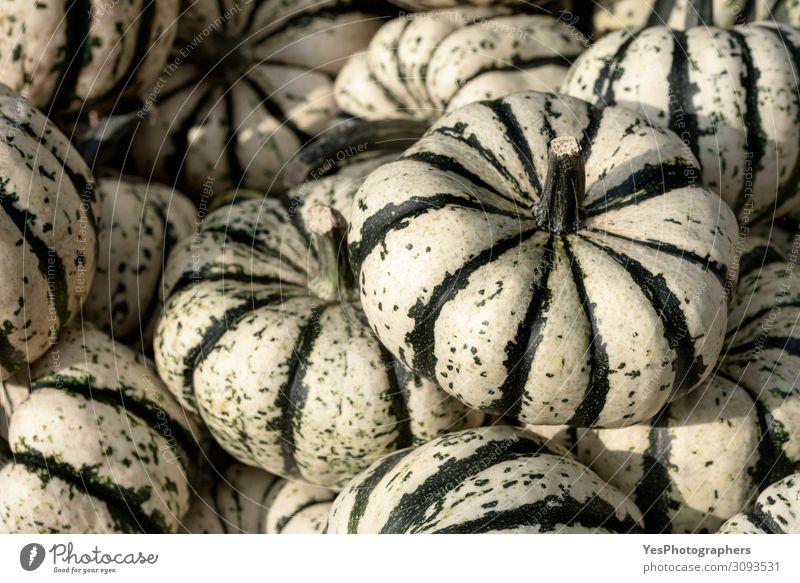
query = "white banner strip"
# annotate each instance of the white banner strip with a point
(386, 559)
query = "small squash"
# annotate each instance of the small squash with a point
(263, 336)
(704, 458)
(250, 84)
(418, 68)
(586, 288)
(141, 223)
(249, 500)
(101, 431)
(610, 15)
(48, 232)
(426, 5)
(488, 480)
(777, 511)
(67, 56)
(729, 93)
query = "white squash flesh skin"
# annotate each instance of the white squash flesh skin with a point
(420, 67)
(459, 282)
(48, 239)
(70, 56)
(141, 223)
(249, 500)
(101, 431)
(749, 411)
(489, 480)
(777, 511)
(610, 15)
(713, 87)
(232, 123)
(286, 381)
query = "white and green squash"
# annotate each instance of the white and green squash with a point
(48, 232)
(611, 15)
(428, 5)
(582, 286)
(253, 82)
(79, 55)
(141, 222)
(418, 68)
(262, 335)
(100, 431)
(729, 93)
(776, 511)
(250, 501)
(487, 480)
(704, 458)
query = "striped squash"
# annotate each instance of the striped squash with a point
(140, 224)
(420, 67)
(550, 304)
(251, 82)
(488, 480)
(68, 56)
(423, 5)
(729, 93)
(262, 335)
(749, 411)
(612, 15)
(48, 242)
(100, 431)
(776, 511)
(249, 500)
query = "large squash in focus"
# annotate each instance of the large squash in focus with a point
(586, 286)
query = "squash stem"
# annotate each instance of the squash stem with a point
(334, 279)
(342, 142)
(559, 209)
(699, 13)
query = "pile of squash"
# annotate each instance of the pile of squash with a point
(418, 266)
